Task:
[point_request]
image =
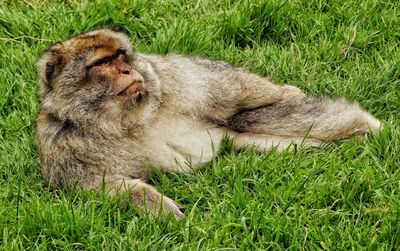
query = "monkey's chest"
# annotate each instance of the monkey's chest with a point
(181, 144)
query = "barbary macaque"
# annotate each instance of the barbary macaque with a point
(109, 113)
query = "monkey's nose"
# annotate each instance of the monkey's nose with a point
(125, 71)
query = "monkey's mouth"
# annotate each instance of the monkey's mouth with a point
(132, 90)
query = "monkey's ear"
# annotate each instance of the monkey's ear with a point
(51, 64)
(53, 68)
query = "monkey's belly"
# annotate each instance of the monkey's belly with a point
(182, 144)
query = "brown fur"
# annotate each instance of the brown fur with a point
(95, 127)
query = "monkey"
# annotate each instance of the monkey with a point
(109, 114)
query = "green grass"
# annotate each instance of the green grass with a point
(342, 197)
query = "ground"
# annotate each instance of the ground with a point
(345, 196)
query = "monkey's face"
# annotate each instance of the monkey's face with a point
(112, 71)
(94, 73)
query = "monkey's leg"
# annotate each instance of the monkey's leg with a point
(256, 91)
(247, 91)
(264, 142)
(146, 197)
(317, 118)
(238, 89)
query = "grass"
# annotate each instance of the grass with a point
(341, 197)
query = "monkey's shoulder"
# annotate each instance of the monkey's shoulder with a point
(52, 127)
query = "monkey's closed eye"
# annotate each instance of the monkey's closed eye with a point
(120, 51)
(99, 62)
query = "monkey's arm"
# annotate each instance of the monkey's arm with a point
(143, 195)
(71, 156)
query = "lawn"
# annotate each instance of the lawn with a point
(345, 196)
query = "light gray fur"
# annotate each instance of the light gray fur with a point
(190, 103)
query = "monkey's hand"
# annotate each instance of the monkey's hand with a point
(153, 202)
(141, 194)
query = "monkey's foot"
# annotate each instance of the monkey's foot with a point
(368, 124)
(351, 122)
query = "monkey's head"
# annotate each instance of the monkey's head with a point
(95, 75)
